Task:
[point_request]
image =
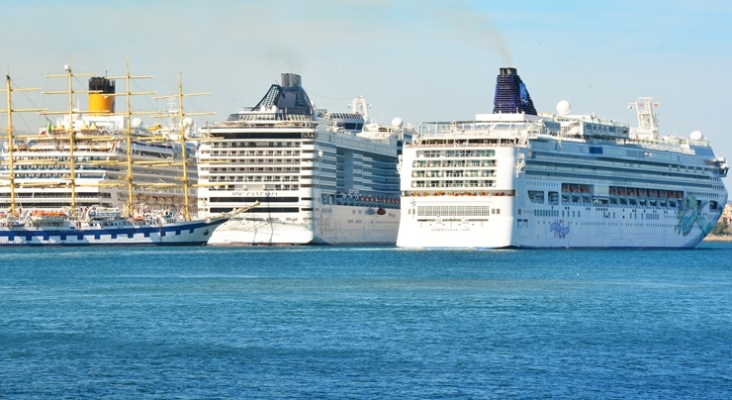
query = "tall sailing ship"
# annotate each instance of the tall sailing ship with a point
(321, 177)
(72, 184)
(516, 178)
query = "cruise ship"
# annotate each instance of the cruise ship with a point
(322, 178)
(73, 184)
(519, 179)
(43, 162)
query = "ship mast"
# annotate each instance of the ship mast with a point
(184, 162)
(11, 145)
(72, 144)
(70, 129)
(128, 132)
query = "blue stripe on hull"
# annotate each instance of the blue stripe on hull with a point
(196, 233)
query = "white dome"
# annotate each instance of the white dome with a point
(397, 122)
(563, 107)
(696, 135)
(187, 122)
(136, 122)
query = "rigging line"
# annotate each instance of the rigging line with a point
(24, 122)
(76, 79)
(22, 93)
(33, 104)
(329, 97)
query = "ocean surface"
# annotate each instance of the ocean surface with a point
(365, 322)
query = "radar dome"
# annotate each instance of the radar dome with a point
(136, 122)
(397, 122)
(696, 135)
(563, 107)
(187, 122)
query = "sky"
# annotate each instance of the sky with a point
(420, 60)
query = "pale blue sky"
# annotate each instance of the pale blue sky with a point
(419, 60)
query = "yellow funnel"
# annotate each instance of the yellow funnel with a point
(101, 100)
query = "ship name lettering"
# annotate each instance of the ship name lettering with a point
(450, 229)
(263, 194)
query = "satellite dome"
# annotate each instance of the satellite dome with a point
(397, 122)
(187, 122)
(696, 135)
(136, 122)
(563, 107)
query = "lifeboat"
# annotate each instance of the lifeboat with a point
(44, 215)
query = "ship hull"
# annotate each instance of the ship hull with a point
(332, 225)
(446, 231)
(193, 233)
(575, 227)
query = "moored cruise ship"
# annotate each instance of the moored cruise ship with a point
(515, 178)
(43, 163)
(320, 177)
(85, 152)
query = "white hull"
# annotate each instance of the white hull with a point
(333, 225)
(182, 233)
(631, 228)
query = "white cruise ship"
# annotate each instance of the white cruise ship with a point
(517, 179)
(43, 163)
(320, 177)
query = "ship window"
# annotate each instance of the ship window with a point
(536, 196)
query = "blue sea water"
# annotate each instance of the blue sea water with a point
(365, 322)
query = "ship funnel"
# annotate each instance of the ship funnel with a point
(101, 96)
(511, 94)
(288, 98)
(291, 80)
